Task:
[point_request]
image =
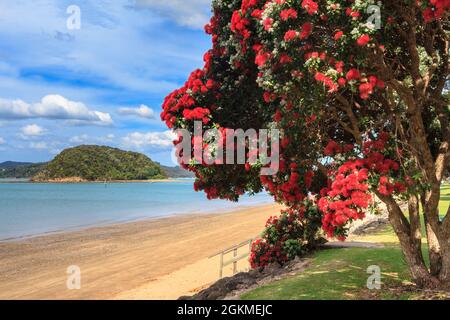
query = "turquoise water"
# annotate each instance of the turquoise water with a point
(28, 209)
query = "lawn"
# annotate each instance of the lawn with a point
(445, 200)
(340, 274)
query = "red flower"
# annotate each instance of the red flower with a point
(285, 142)
(354, 14)
(308, 179)
(320, 76)
(306, 30)
(310, 6)
(363, 40)
(196, 114)
(268, 23)
(365, 90)
(342, 82)
(428, 14)
(332, 148)
(338, 35)
(257, 14)
(290, 35)
(284, 58)
(353, 74)
(269, 97)
(278, 116)
(288, 13)
(261, 58)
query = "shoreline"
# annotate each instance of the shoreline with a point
(70, 181)
(28, 180)
(157, 258)
(95, 225)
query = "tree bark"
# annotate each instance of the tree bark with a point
(434, 249)
(444, 242)
(444, 274)
(409, 234)
(410, 241)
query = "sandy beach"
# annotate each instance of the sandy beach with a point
(152, 259)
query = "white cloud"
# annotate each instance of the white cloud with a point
(55, 151)
(143, 111)
(84, 138)
(38, 145)
(153, 55)
(2, 141)
(32, 130)
(53, 107)
(108, 138)
(79, 139)
(192, 13)
(138, 140)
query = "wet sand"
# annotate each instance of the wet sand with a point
(151, 259)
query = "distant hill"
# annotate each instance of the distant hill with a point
(177, 172)
(12, 164)
(12, 169)
(99, 163)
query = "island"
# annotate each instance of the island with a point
(91, 163)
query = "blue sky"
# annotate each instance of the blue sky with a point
(100, 84)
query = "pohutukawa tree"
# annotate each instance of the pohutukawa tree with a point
(363, 110)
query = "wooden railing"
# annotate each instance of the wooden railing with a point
(235, 258)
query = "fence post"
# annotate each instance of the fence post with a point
(235, 259)
(221, 265)
(235, 251)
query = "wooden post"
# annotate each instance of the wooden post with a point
(235, 259)
(249, 251)
(235, 262)
(221, 266)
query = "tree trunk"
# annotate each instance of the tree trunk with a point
(444, 274)
(419, 272)
(410, 241)
(434, 249)
(412, 250)
(438, 236)
(434, 252)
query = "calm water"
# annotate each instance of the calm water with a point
(33, 208)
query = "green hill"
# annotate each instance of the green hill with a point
(10, 169)
(177, 172)
(99, 163)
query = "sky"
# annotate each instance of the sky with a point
(94, 72)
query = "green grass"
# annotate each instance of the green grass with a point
(445, 200)
(341, 274)
(337, 275)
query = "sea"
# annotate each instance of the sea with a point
(30, 209)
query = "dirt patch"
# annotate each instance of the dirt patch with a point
(350, 244)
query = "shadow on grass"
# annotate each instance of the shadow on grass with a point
(339, 274)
